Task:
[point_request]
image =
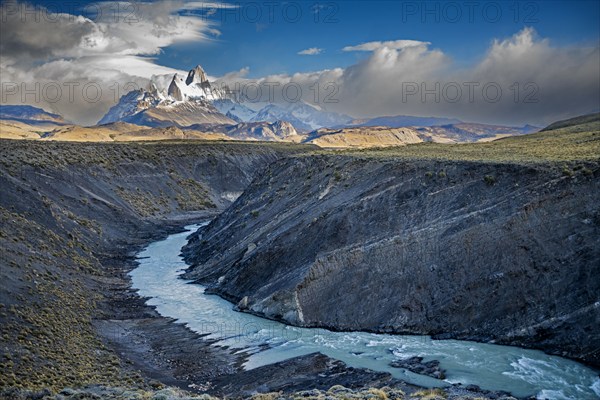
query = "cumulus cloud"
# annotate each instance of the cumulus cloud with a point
(207, 5)
(313, 51)
(520, 79)
(235, 75)
(390, 44)
(111, 49)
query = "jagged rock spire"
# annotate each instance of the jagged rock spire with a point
(174, 91)
(196, 75)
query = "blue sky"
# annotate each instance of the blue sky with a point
(266, 35)
(543, 57)
(270, 48)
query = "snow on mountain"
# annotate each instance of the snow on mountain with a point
(305, 117)
(195, 86)
(234, 110)
(275, 131)
(194, 100)
(185, 102)
(181, 114)
(133, 103)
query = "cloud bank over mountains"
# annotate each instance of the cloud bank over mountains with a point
(520, 79)
(113, 49)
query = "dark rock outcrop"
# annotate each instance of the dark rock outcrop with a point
(416, 365)
(504, 253)
(299, 373)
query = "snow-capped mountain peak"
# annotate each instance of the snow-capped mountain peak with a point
(133, 103)
(234, 110)
(196, 75)
(176, 89)
(195, 94)
(183, 102)
(304, 116)
(196, 86)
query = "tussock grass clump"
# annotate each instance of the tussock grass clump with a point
(430, 394)
(102, 392)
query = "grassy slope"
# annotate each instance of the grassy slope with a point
(579, 142)
(582, 119)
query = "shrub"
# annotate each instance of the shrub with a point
(379, 394)
(489, 180)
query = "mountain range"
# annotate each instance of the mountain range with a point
(400, 121)
(29, 114)
(194, 100)
(201, 110)
(184, 103)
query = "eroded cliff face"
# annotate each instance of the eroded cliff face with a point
(490, 252)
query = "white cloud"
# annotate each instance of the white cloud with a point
(235, 75)
(562, 81)
(540, 82)
(110, 50)
(207, 5)
(391, 44)
(313, 51)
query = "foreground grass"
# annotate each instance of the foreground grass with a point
(334, 393)
(573, 143)
(112, 155)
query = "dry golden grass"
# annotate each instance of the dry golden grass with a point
(574, 143)
(365, 137)
(429, 394)
(18, 130)
(80, 134)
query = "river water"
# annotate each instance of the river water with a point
(522, 372)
